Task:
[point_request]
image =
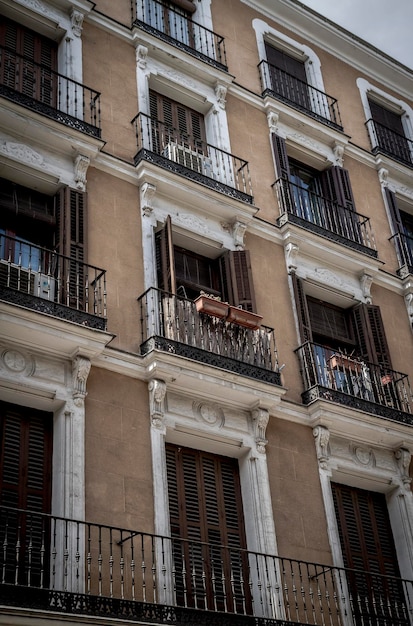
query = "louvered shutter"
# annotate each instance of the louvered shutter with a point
(303, 314)
(25, 483)
(71, 241)
(205, 506)
(283, 173)
(237, 281)
(336, 186)
(394, 211)
(367, 546)
(178, 123)
(165, 263)
(370, 334)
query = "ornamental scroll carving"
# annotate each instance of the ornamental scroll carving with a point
(322, 439)
(77, 22)
(260, 419)
(81, 166)
(80, 370)
(403, 458)
(157, 395)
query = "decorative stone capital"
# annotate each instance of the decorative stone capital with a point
(77, 22)
(157, 394)
(291, 251)
(272, 119)
(322, 438)
(81, 166)
(366, 281)
(141, 56)
(260, 418)
(80, 371)
(338, 151)
(238, 232)
(147, 192)
(403, 458)
(220, 93)
(383, 176)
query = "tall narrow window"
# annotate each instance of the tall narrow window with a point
(25, 483)
(288, 77)
(389, 132)
(207, 529)
(29, 62)
(368, 548)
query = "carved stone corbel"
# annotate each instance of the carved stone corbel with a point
(322, 438)
(81, 166)
(147, 192)
(220, 93)
(273, 119)
(338, 151)
(383, 176)
(366, 281)
(80, 371)
(260, 419)
(403, 458)
(141, 56)
(157, 394)
(238, 232)
(77, 22)
(291, 251)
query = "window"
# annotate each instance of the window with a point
(288, 77)
(25, 483)
(184, 272)
(171, 18)
(402, 223)
(368, 548)
(29, 62)
(207, 529)
(323, 198)
(389, 132)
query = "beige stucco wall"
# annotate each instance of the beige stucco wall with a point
(118, 452)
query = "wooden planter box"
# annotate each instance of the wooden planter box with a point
(205, 304)
(244, 318)
(342, 362)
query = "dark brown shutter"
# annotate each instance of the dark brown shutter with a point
(280, 156)
(178, 122)
(205, 505)
(394, 211)
(367, 546)
(390, 119)
(285, 62)
(71, 221)
(370, 334)
(165, 263)
(301, 304)
(336, 186)
(236, 273)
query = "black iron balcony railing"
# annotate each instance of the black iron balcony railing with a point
(190, 157)
(299, 94)
(167, 23)
(324, 216)
(351, 381)
(58, 564)
(173, 324)
(404, 250)
(384, 140)
(48, 282)
(39, 88)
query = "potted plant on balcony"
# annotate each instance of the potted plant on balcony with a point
(339, 361)
(211, 305)
(245, 318)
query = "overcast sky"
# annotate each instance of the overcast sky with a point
(387, 24)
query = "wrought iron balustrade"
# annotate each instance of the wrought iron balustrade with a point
(58, 564)
(384, 140)
(49, 282)
(322, 215)
(171, 25)
(190, 157)
(43, 90)
(350, 380)
(404, 250)
(299, 94)
(173, 324)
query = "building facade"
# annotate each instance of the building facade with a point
(206, 316)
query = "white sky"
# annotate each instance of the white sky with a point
(386, 24)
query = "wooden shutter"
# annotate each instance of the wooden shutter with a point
(301, 304)
(205, 506)
(367, 545)
(285, 62)
(71, 220)
(336, 186)
(25, 483)
(389, 119)
(394, 211)
(178, 122)
(370, 334)
(165, 263)
(237, 282)
(280, 156)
